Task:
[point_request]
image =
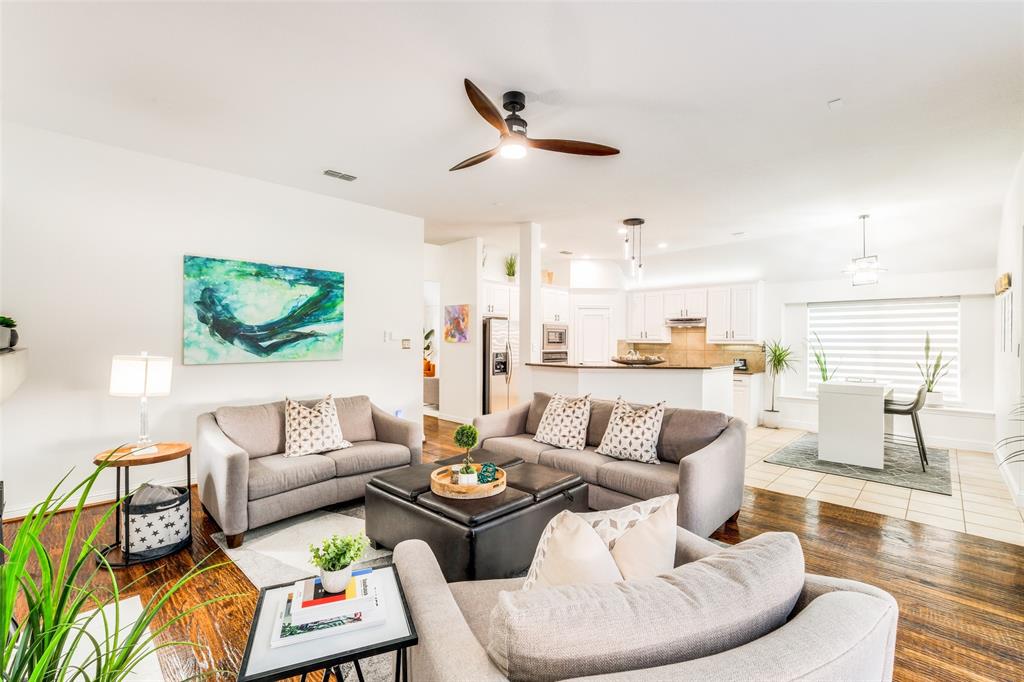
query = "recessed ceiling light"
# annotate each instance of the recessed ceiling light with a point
(339, 175)
(662, 245)
(543, 245)
(623, 230)
(835, 104)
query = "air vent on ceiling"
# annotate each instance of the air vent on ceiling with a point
(338, 174)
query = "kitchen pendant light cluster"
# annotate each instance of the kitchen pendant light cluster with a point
(864, 269)
(633, 246)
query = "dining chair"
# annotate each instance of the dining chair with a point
(911, 410)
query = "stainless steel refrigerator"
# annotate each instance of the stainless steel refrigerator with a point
(501, 360)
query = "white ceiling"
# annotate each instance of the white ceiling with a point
(719, 108)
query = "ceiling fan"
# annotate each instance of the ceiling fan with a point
(514, 142)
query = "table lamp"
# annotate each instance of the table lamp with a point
(141, 376)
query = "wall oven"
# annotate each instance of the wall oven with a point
(556, 337)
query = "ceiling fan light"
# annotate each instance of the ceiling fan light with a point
(513, 149)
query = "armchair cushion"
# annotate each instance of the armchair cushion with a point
(276, 474)
(699, 609)
(366, 456)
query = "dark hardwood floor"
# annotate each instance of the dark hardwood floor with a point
(961, 597)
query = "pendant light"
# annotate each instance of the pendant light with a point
(863, 269)
(634, 248)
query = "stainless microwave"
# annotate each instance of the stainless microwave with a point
(556, 337)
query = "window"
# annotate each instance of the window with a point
(882, 341)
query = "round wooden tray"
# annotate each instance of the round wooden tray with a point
(441, 484)
(638, 361)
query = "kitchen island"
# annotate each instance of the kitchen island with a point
(698, 388)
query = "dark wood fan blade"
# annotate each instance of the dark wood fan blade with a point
(474, 160)
(485, 107)
(573, 147)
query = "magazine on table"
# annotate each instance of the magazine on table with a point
(361, 612)
(311, 603)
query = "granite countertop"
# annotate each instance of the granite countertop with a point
(664, 365)
(749, 371)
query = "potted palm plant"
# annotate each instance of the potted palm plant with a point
(821, 360)
(778, 359)
(511, 262)
(65, 611)
(466, 437)
(335, 556)
(932, 372)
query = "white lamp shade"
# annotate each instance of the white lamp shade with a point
(135, 376)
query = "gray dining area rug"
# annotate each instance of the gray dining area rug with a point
(279, 553)
(902, 465)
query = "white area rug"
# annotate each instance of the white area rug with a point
(279, 553)
(148, 669)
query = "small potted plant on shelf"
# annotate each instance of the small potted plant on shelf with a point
(466, 437)
(778, 359)
(932, 373)
(8, 333)
(511, 262)
(335, 556)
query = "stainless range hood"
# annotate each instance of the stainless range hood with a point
(683, 322)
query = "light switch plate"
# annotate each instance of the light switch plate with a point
(406, 344)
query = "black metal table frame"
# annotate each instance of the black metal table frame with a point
(331, 665)
(122, 518)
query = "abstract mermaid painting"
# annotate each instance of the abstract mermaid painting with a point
(237, 311)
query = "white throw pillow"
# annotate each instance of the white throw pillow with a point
(639, 541)
(564, 422)
(632, 433)
(309, 430)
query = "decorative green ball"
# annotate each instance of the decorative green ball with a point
(466, 436)
(488, 472)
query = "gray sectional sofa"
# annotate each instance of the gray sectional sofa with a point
(245, 481)
(701, 457)
(799, 627)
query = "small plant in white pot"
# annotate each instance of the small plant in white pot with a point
(778, 359)
(932, 372)
(511, 264)
(466, 437)
(821, 360)
(335, 556)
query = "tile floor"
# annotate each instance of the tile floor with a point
(980, 504)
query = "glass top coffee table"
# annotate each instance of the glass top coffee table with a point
(262, 663)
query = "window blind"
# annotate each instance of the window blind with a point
(881, 341)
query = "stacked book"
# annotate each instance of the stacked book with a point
(310, 612)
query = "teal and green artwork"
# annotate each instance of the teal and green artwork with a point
(237, 311)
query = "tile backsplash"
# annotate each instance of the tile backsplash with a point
(689, 349)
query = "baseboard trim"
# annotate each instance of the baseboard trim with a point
(1012, 485)
(454, 418)
(106, 496)
(936, 442)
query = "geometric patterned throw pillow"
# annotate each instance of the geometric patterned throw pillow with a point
(308, 430)
(633, 433)
(564, 422)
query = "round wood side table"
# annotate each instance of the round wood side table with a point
(124, 458)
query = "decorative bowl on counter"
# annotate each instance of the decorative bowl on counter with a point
(637, 359)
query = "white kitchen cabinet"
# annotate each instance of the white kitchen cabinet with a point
(673, 304)
(554, 306)
(513, 303)
(746, 397)
(635, 322)
(593, 335)
(497, 299)
(695, 303)
(646, 319)
(732, 314)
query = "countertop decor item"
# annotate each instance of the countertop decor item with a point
(8, 333)
(445, 483)
(141, 376)
(635, 358)
(932, 372)
(170, 522)
(53, 597)
(821, 360)
(335, 556)
(778, 360)
(240, 311)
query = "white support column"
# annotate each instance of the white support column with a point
(529, 303)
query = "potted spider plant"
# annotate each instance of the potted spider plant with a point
(466, 437)
(511, 263)
(778, 359)
(932, 373)
(64, 605)
(821, 360)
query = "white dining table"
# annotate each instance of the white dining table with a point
(852, 423)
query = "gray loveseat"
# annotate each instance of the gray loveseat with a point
(834, 629)
(245, 482)
(701, 457)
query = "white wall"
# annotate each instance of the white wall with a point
(92, 266)
(595, 274)
(1007, 383)
(460, 382)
